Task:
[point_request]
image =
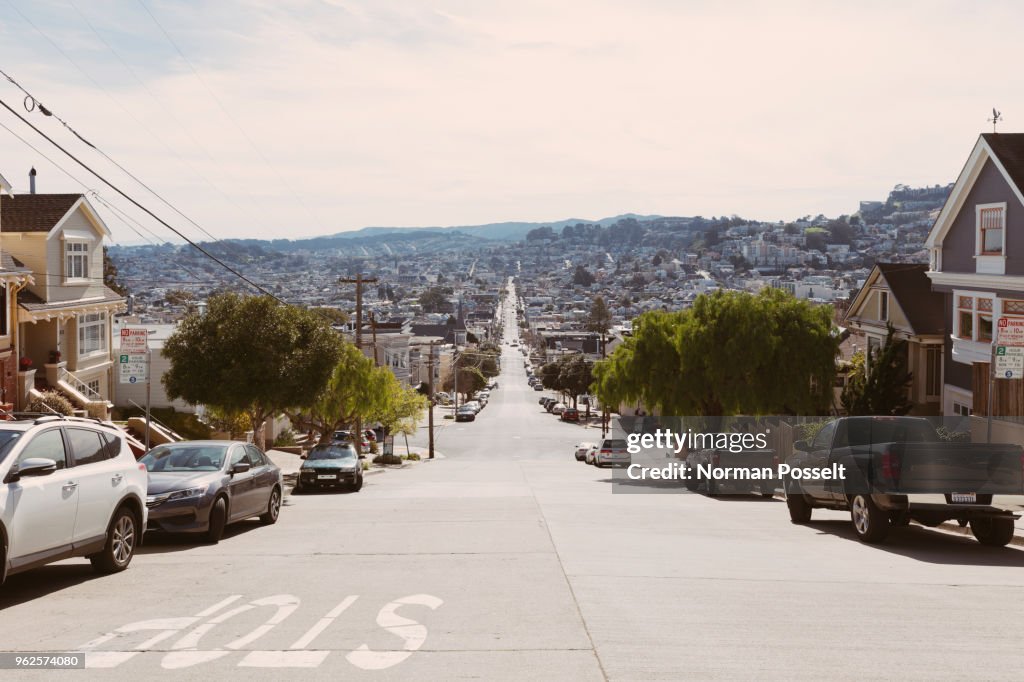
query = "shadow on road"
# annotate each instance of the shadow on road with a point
(162, 543)
(932, 546)
(45, 581)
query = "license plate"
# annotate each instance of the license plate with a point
(330, 476)
(964, 498)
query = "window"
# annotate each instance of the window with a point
(962, 410)
(86, 446)
(94, 386)
(990, 230)
(92, 334)
(974, 318)
(824, 438)
(933, 371)
(47, 445)
(112, 444)
(883, 305)
(76, 260)
(239, 455)
(255, 456)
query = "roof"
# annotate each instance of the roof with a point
(34, 212)
(29, 301)
(912, 289)
(9, 263)
(1009, 148)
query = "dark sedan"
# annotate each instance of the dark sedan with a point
(202, 486)
(331, 465)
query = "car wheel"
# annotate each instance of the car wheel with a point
(799, 510)
(712, 488)
(358, 485)
(273, 508)
(218, 519)
(691, 482)
(993, 532)
(869, 522)
(122, 537)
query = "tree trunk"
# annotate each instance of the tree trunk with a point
(258, 420)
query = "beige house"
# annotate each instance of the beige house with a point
(13, 278)
(900, 294)
(64, 315)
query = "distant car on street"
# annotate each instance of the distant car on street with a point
(329, 466)
(611, 452)
(581, 450)
(538, 387)
(570, 414)
(465, 414)
(202, 486)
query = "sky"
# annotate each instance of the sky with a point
(269, 119)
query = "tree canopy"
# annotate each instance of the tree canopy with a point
(731, 353)
(877, 384)
(582, 276)
(250, 354)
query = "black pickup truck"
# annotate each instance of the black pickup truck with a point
(897, 469)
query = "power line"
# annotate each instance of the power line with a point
(138, 205)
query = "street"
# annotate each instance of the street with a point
(507, 559)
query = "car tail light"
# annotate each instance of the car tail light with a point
(890, 465)
(606, 452)
(142, 467)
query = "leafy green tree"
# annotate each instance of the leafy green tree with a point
(582, 276)
(435, 299)
(471, 380)
(575, 375)
(250, 354)
(332, 315)
(731, 353)
(878, 385)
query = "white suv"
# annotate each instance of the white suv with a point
(70, 487)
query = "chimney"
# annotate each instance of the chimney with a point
(32, 181)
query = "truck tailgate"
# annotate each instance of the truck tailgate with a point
(952, 468)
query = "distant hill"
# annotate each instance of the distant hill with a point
(510, 231)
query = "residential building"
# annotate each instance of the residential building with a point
(64, 315)
(14, 384)
(900, 295)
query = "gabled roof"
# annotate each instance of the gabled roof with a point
(44, 212)
(1006, 151)
(912, 292)
(5, 187)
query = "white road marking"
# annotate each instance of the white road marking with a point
(411, 631)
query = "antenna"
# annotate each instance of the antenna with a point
(997, 117)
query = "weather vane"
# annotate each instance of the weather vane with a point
(997, 116)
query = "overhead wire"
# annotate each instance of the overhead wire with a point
(138, 205)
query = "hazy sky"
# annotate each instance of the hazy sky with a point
(343, 114)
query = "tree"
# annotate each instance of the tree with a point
(599, 320)
(352, 393)
(110, 276)
(250, 354)
(540, 233)
(731, 353)
(582, 276)
(878, 384)
(471, 380)
(180, 297)
(434, 299)
(234, 424)
(332, 315)
(575, 375)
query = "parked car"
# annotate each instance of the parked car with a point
(581, 450)
(474, 405)
(465, 414)
(330, 466)
(71, 488)
(611, 452)
(202, 486)
(591, 453)
(558, 408)
(896, 470)
(570, 414)
(736, 465)
(346, 437)
(547, 402)
(541, 400)
(538, 387)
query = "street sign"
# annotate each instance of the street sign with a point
(1010, 331)
(134, 340)
(134, 368)
(1009, 362)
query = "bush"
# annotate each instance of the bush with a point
(284, 439)
(413, 457)
(50, 402)
(947, 435)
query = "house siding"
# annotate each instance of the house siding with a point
(30, 249)
(78, 222)
(956, 373)
(958, 246)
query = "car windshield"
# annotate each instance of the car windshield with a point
(7, 439)
(617, 444)
(180, 457)
(332, 452)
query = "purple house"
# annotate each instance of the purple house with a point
(976, 260)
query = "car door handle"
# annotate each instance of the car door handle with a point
(70, 485)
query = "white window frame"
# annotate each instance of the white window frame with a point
(83, 254)
(989, 263)
(85, 324)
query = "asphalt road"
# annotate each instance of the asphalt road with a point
(508, 560)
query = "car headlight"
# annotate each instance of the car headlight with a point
(198, 491)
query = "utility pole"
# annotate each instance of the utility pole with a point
(373, 331)
(359, 281)
(430, 391)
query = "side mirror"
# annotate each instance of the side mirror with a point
(34, 466)
(801, 445)
(241, 468)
